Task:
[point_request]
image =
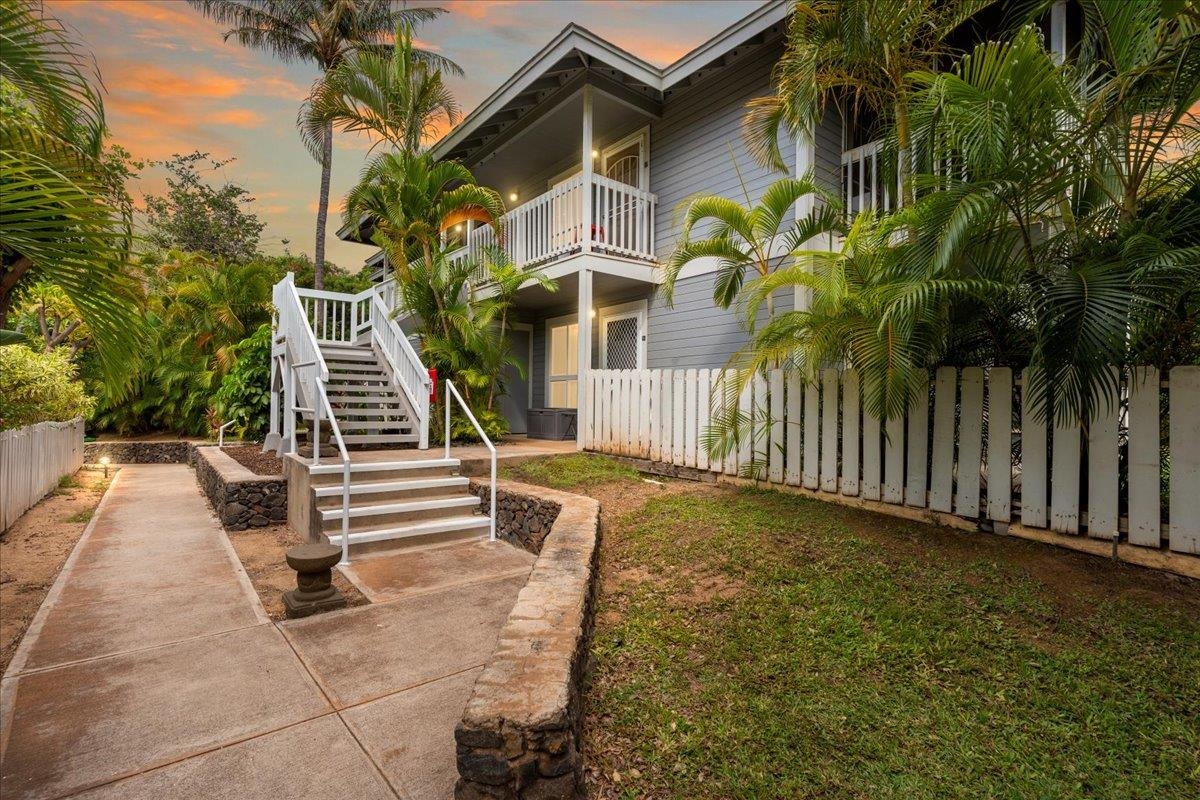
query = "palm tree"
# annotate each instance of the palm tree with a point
(58, 222)
(857, 54)
(749, 239)
(324, 33)
(395, 97)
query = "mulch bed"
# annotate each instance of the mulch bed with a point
(252, 458)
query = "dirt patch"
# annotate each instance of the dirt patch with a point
(262, 553)
(254, 459)
(34, 548)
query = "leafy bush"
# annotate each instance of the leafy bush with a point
(244, 397)
(461, 430)
(39, 387)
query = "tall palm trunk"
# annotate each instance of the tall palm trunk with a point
(323, 206)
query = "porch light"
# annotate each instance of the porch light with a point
(592, 313)
(512, 197)
(595, 154)
(458, 228)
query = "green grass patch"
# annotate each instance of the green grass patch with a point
(576, 471)
(65, 483)
(758, 645)
(82, 516)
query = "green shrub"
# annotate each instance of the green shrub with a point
(461, 430)
(245, 393)
(39, 387)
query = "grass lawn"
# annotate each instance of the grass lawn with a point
(754, 644)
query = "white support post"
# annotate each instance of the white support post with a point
(586, 169)
(1058, 31)
(584, 353)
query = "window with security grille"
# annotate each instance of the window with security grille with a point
(621, 343)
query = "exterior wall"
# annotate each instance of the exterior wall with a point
(694, 146)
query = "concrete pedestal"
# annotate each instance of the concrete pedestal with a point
(314, 590)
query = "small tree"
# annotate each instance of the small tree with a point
(39, 387)
(196, 217)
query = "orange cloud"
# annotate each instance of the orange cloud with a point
(238, 117)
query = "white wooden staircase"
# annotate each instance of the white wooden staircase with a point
(344, 371)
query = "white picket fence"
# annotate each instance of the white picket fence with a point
(971, 449)
(32, 459)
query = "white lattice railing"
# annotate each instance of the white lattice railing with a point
(863, 186)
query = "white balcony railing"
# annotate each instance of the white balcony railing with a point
(551, 225)
(863, 186)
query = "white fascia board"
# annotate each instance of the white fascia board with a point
(771, 13)
(572, 37)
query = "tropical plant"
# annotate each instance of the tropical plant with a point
(857, 55)
(196, 217)
(753, 238)
(58, 220)
(245, 392)
(323, 33)
(46, 315)
(39, 387)
(398, 97)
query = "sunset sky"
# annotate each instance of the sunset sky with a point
(173, 86)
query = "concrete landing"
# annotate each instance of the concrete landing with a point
(152, 671)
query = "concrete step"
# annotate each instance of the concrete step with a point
(402, 487)
(363, 413)
(376, 399)
(374, 390)
(379, 438)
(348, 354)
(457, 502)
(368, 467)
(418, 532)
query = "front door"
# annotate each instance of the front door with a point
(514, 405)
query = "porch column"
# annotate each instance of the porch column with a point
(584, 366)
(1058, 31)
(806, 164)
(586, 171)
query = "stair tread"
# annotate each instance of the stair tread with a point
(401, 507)
(402, 485)
(444, 525)
(385, 466)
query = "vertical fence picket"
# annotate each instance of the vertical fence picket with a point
(678, 419)
(1145, 457)
(1034, 457)
(970, 443)
(918, 448)
(703, 405)
(794, 428)
(745, 459)
(893, 461)
(667, 420)
(851, 428)
(1103, 486)
(812, 432)
(775, 444)
(761, 405)
(829, 430)
(690, 418)
(644, 414)
(999, 433)
(941, 482)
(872, 468)
(1065, 443)
(1184, 423)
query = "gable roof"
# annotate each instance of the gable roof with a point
(576, 50)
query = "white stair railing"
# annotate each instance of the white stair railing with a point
(306, 368)
(452, 393)
(404, 363)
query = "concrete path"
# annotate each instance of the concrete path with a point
(152, 671)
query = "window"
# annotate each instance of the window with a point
(562, 362)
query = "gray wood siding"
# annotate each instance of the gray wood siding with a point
(694, 146)
(694, 332)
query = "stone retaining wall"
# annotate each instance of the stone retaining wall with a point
(519, 735)
(241, 498)
(521, 518)
(160, 452)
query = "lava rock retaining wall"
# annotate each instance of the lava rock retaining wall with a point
(519, 735)
(162, 452)
(241, 498)
(521, 518)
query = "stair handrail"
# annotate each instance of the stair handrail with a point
(405, 364)
(296, 331)
(452, 392)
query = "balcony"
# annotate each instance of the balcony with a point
(551, 226)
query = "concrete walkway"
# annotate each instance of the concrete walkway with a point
(152, 671)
